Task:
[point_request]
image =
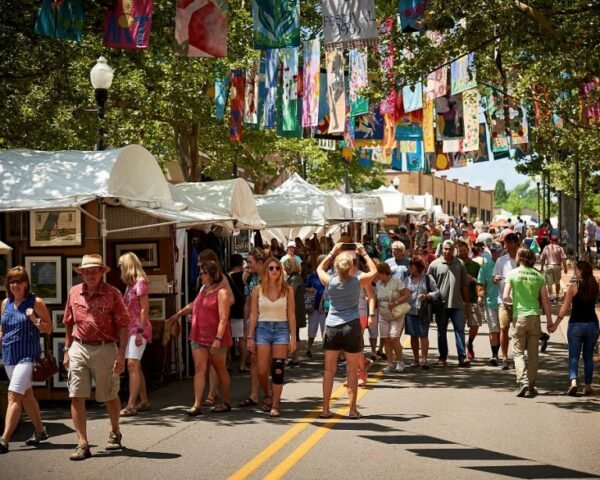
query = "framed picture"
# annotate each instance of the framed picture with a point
(157, 309)
(57, 321)
(16, 226)
(59, 378)
(40, 384)
(73, 278)
(146, 252)
(45, 274)
(5, 265)
(55, 228)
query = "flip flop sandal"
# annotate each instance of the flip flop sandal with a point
(266, 404)
(143, 407)
(208, 402)
(354, 416)
(248, 402)
(194, 411)
(326, 415)
(572, 391)
(128, 412)
(274, 413)
(223, 408)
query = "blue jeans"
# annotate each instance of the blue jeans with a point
(457, 317)
(582, 336)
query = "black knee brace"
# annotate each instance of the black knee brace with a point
(277, 368)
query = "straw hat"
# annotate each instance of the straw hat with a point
(92, 260)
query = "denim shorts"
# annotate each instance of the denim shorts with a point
(272, 333)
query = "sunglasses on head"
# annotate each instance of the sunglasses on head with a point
(274, 268)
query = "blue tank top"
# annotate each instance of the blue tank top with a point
(20, 337)
(343, 298)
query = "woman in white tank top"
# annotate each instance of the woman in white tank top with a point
(272, 331)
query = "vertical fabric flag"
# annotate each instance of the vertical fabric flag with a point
(62, 20)
(336, 98)
(412, 97)
(221, 87)
(414, 156)
(276, 23)
(312, 83)
(357, 60)
(389, 137)
(236, 106)
(462, 74)
(386, 64)
(519, 131)
(251, 94)
(449, 113)
(411, 14)
(590, 108)
(437, 83)
(290, 89)
(201, 28)
(471, 120)
(128, 24)
(271, 69)
(349, 23)
(428, 129)
(498, 127)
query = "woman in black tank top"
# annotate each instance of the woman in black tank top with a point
(583, 330)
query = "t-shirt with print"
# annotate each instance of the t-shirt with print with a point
(252, 282)
(526, 284)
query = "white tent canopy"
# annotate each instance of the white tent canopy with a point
(364, 206)
(294, 210)
(231, 198)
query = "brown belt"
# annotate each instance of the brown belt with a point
(94, 342)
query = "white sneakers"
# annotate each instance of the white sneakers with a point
(400, 367)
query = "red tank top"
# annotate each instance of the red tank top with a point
(205, 320)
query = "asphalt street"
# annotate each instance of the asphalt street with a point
(447, 422)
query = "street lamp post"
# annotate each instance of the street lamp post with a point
(559, 195)
(538, 180)
(101, 76)
(396, 182)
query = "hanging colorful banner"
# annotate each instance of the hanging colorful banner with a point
(449, 117)
(276, 23)
(312, 83)
(349, 23)
(323, 125)
(462, 74)
(519, 128)
(428, 127)
(236, 106)
(201, 28)
(411, 14)
(62, 19)
(290, 89)
(365, 157)
(481, 155)
(349, 131)
(251, 94)
(369, 126)
(128, 24)
(590, 109)
(336, 98)
(396, 160)
(414, 156)
(271, 69)
(471, 120)
(386, 64)
(357, 62)
(221, 87)
(442, 160)
(412, 97)
(437, 83)
(451, 146)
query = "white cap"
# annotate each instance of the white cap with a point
(291, 243)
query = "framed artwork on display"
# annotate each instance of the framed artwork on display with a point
(45, 274)
(57, 321)
(73, 278)
(59, 379)
(157, 309)
(146, 252)
(55, 228)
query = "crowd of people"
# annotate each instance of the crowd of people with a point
(401, 281)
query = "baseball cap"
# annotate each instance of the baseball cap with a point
(495, 247)
(291, 243)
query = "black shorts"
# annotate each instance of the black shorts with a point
(346, 337)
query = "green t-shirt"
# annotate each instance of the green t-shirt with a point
(473, 270)
(491, 289)
(436, 240)
(526, 284)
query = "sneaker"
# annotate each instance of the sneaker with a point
(470, 352)
(381, 355)
(391, 368)
(522, 390)
(36, 438)
(505, 365)
(400, 367)
(114, 441)
(494, 362)
(3, 446)
(81, 453)
(464, 363)
(532, 392)
(544, 337)
(308, 354)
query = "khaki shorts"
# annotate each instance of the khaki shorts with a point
(87, 362)
(389, 327)
(476, 317)
(552, 274)
(505, 314)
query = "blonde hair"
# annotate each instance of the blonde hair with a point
(280, 282)
(291, 265)
(131, 268)
(343, 264)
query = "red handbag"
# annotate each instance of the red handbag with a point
(46, 366)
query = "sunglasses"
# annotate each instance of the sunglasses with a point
(274, 268)
(16, 282)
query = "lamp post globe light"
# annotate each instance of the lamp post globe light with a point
(396, 182)
(465, 212)
(101, 76)
(538, 180)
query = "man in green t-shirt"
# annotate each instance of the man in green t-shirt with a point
(475, 314)
(527, 287)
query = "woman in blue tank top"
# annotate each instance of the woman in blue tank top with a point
(342, 326)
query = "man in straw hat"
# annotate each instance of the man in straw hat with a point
(95, 318)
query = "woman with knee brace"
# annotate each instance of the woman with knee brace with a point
(272, 331)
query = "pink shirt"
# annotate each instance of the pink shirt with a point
(205, 320)
(553, 254)
(134, 307)
(97, 316)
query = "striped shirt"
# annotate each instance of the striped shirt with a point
(20, 337)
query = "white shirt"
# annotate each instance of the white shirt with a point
(590, 228)
(398, 271)
(503, 267)
(286, 256)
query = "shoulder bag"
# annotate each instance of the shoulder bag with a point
(400, 310)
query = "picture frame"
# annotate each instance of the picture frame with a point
(60, 378)
(73, 278)
(157, 308)
(56, 227)
(45, 275)
(146, 252)
(40, 384)
(57, 321)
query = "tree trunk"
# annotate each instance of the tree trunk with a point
(186, 141)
